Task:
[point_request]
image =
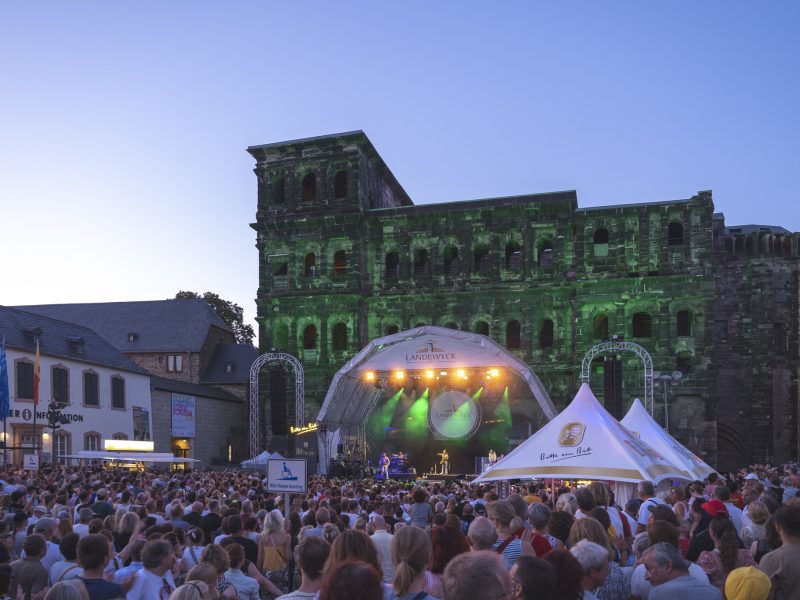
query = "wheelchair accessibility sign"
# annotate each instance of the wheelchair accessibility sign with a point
(286, 475)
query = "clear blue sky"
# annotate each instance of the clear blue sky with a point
(123, 126)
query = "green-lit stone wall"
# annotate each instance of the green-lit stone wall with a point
(382, 264)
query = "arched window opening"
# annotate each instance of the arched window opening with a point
(392, 265)
(60, 384)
(482, 327)
(340, 262)
(600, 327)
(391, 329)
(513, 256)
(421, 262)
(310, 265)
(546, 254)
(482, 262)
(684, 323)
(278, 191)
(452, 325)
(750, 246)
(675, 234)
(310, 337)
(339, 337)
(309, 188)
(513, 335)
(546, 334)
(450, 260)
(601, 242)
(340, 185)
(642, 325)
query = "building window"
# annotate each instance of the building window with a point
(340, 185)
(117, 392)
(392, 329)
(450, 260)
(482, 261)
(309, 188)
(132, 337)
(675, 234)
(91, 441)
(482, 327)
(61, 447)
(339, 337)
(278, 191)
(546, 334)
(601, 242)
(421, 263)
(546, 254)
(600, 327)
(310, 337)
(174, 363)
(310, 265)
(513, 256)
(119, 436)
(642, 325)
(392, 265)
(340, 262)
(91, 394)
(60, 384)
(684, 323)
(229, 367)
(24, 379)
(513, 335)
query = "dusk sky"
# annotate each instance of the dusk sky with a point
(124, 126)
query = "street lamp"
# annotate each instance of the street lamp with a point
(666, 379)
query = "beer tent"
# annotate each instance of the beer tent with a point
(641, 424)
(584, 442)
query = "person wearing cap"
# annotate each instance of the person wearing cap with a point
(782, 565)
(701, 540)
(747, 583)
(46, 527)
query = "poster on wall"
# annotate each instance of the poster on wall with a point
(141, 423)
(183, 412)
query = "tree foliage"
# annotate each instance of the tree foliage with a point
(228, 311)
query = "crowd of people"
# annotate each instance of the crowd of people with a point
(98, 534)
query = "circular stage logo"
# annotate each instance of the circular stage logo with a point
(454, 415)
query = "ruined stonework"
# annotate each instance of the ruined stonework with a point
(345, 257)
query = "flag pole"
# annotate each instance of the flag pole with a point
(4, 395)
(36, 378)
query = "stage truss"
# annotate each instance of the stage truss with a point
(620, 346)
(299, 387)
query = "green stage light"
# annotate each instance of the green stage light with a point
(417, 420)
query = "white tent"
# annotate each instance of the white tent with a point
(584, 442)
(640, 423)
(261, 459)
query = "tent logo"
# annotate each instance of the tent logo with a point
(571, 434)
(430, 353)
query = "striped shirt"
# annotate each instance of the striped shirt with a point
(511, 552)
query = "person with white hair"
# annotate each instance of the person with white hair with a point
(594, 562)
(668, 573)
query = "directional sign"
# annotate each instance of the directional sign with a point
(30, 461)
(286, 475)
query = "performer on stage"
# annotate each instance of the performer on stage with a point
(384, 465)
(492, 458)
(444, 463)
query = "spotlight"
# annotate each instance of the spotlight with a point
(443, 373)
(494, 373)
(399, 375)
(461, 374)
(370, 376)
(429, 374)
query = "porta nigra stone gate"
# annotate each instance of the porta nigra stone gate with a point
(345, 256)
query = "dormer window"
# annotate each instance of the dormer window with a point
(229, 367)
(34, 333)
(132, 337)
(77, 344)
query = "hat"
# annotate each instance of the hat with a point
(715, 508)
(747, 583)
(40, 509)
(751, 476)
(44, 525)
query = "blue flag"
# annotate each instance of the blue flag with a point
(5, 406)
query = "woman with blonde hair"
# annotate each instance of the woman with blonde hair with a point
(127, 526)
(755, 531)
(567, 503)
(193, 590)
(68, 590)
(215, 555)
(411, 549)
(274, 547)
(617, 585)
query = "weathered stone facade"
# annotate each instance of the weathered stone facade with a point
(345, 257)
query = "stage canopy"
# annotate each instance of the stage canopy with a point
(351, 399)
(640, 423)
(584, 442)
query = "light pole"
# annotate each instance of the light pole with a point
(666, 379)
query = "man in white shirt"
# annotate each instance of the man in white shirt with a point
(648, 494)
(382, 540)
(155, 580)
(46, 527)
(82, 526)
